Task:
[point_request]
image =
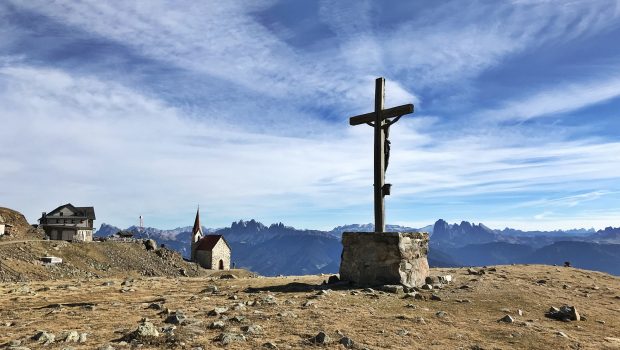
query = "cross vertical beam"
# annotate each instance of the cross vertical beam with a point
(380, 120)
(379, 156)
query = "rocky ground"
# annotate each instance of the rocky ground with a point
(502, 308)
(20, 261)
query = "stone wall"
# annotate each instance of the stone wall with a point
(221, 252)
(384, 258)
(210, 259)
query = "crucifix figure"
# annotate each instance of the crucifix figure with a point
(380, 120)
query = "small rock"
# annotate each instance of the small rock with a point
(145, 330)
(217, 325)
(435, 297)
(155, 306)
(520, 312)
(321, 338)
(228, 276)
(210, 289)
(44, 337)
(441, 314)
(562, 334)
(176, 318)
(270, 345)
(227, 338)
(150, 244)
(564, 313)
(239, 307)
(389, 288)
(445, 279)
(402, 332)
(237, 319)
(218, 311)
(106, 347)
(346, 341)
(308, 304)
(427, 287)
(431, 280)
(252, 329)
(506, 319)
(72, 337)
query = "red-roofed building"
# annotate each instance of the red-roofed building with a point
(210, 251)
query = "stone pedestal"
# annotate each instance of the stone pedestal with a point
(384, 258)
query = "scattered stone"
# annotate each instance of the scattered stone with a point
(210, 289)
(106, 347)
(321, 338)
(567, 264)
(471, 271)
(463, 301)
(520, 312)
(445, 279)
(145, 330)
(409, 295)
(228, 276)
(441, 314)
(44, 337)
(506, 319)
(402, 332)
(237, 319)
(155, 306)
(600, 321)
(176, 318)
(270, 345)
(252, 329)
(287, 314)
(217, 325)
(431, 280)
(564, 313)
(239, 307)
(227, 338)
(150, 244)
(369, 290)
(419, 296)
(218, 311)
(420, 320)
(427, 287)
(541, 281)
(435, 297)
(333, 279)
(392, 288)
(561, 334)
(72, 337)
(309, 303)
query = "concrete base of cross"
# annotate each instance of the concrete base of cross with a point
(371, 259)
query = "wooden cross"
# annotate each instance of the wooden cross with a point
(380, 119)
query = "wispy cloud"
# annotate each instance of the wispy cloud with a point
(230, 115)
(556, 100)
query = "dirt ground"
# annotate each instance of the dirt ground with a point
(290, 312)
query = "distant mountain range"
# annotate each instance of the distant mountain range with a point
(279, 249)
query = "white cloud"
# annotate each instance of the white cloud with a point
(560, 99)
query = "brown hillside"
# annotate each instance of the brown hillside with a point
(21, 229)
(288, 312)
(20, 261)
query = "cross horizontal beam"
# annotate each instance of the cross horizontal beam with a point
(385, 114)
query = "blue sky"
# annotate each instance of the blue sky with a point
(152, 107)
